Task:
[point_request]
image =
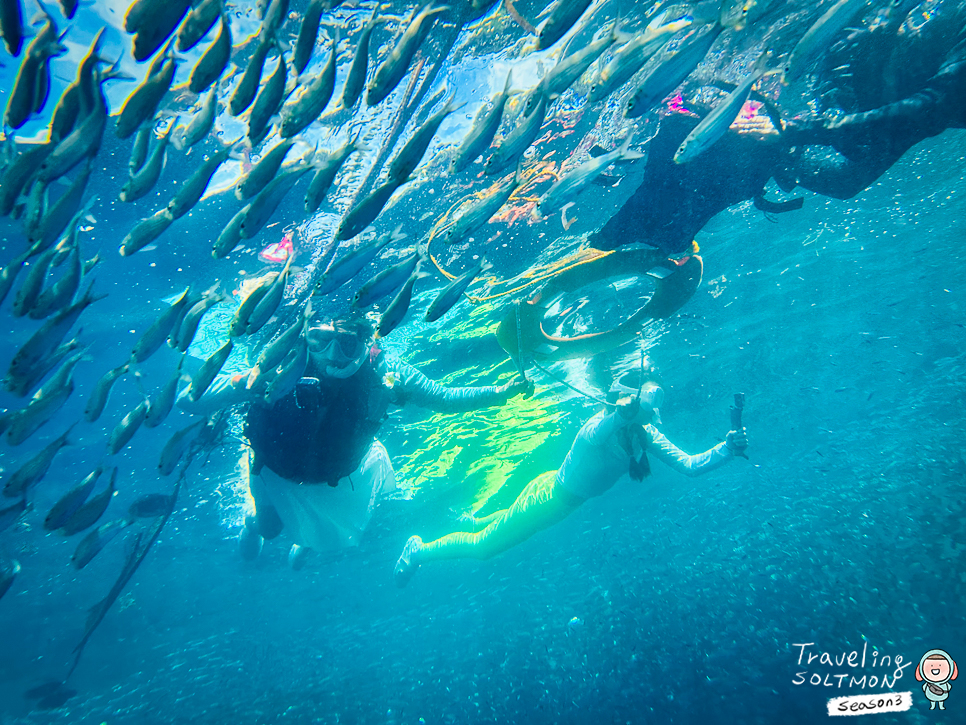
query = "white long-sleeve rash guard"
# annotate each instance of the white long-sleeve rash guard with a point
(597, 460)
(409, 386)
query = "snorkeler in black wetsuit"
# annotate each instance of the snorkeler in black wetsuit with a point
(897, 80)
(898, 83)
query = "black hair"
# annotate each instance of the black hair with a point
(355, 323)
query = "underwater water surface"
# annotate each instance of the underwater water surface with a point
(671, 600)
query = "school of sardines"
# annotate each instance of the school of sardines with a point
(44, 186)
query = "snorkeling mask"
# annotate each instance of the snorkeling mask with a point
(629, 384)
(338, 353)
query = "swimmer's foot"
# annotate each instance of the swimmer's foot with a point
(407, 565)
(249, 540)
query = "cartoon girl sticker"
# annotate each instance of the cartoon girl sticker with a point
(935, 670)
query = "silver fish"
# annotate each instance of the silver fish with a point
(631, 57)
(60, 214)
(10, 515)
(201, 18)
(247, 87)
(573, 182)
(86, 138)
(192, 318)
(12, 29)
(314, 97)
(308, 34)
(387, 281)
(143, 102)
(267, 101)
(209, 369)
(102, 390)
(355, 81)
(270, 301)
(61, 293)
(276, 13)
(8, 570)
(89, 513)
(240, 321)
(68, 504)
(230, 236)
(264, 205)
(287, 378)
(213, 62)
(79, 97)
(485, 125)
(347, 266)
(477, 212)
(82, 143)
(25, 381)
(157, 26)
(177, 445)
(35, 206)
(152, 505)
(160, 405)
(396, 64)
(195, 185)
(33, 284)
(50, 334)
(515, 143)
(140, 12)
(147, 176)
(19, 172)
(92, 544)
(275, 351)
(139, 148)
(672, 70)
(739, 14)
(45, 403)
(411, 154)
(327, 169)
(31, 84)
(10, 272)
(201, 123)
(716, 123)
(263, 171)
(569, 69)
(158, 332)
(145, 232)
(365, 212)
(819, 36)
(453, 291)
(397, 309)
(124, 431)
(562, 18)
(20, 481)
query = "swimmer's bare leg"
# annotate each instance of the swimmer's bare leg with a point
(470, 522)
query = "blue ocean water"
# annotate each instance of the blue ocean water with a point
(673, 600)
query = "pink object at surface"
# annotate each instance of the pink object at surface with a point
(278, 251)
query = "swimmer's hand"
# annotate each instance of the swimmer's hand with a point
(515, 387)
(737, 441)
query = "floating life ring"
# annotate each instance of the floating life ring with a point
(675, 281)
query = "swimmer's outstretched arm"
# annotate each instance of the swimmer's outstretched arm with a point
(416, 388)
(226, 390)
(675, 458)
